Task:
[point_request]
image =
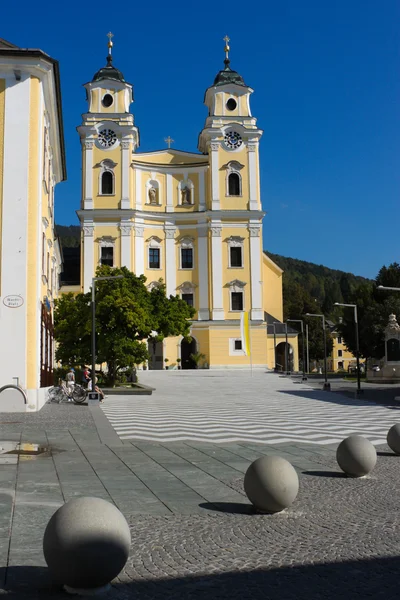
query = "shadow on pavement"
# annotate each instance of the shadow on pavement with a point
(235, 508)
(336, 397)
(347, 580)
(325, 474)
(387, 454)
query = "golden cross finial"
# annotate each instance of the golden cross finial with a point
(110, 44)
(169, 141)
(227, 48)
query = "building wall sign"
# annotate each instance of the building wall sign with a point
(13, 301)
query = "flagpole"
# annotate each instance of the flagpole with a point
(251, 359)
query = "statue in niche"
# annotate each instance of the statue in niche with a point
(186, 195)
(153, 196)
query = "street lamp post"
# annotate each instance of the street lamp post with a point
(359, 390)
(287, 372)
(94, 279)
(327, 386)
(273, 325)
(304, 378)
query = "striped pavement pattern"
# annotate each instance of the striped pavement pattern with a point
(280, 419)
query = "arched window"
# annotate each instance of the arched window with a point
(107, 183)
(234, 184)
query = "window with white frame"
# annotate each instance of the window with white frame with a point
(235, 248)
(186, 253)
(233, 178)
(340, 353)
(236, 347)
(107, 251)
(154, 252)
(107, 178)
(339, 340)
(187, 290)
(236, 292)
(188, 298)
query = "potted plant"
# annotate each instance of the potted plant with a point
(179, 360)
(166, 366)
(197, 357)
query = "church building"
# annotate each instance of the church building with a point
(193, 220)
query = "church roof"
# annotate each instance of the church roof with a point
(109, 72)
(5, 44)
(227, 76)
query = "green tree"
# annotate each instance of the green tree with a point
(126, 313)
(373, 307)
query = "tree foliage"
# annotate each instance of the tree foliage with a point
(126, 313)
(373, 307)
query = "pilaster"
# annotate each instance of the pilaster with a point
(88, 192)
(257, 313)
(216, 266)
(215, 203)
(203, 313)
(88, 255)
(125, 196)
(139, 247)
(251, 153)
(138, 189)
(126, 244)
(170, 260)
(170, 194)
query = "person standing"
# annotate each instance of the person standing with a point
(70, 380)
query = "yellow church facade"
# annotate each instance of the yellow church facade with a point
(192, 220)
(32, 162)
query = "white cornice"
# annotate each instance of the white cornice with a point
(247, 216)
(194, 167)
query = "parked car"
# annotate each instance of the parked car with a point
(376, 368)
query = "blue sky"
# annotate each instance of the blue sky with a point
(326, 83)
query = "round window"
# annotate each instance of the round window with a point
(231, 104)
(107, 100)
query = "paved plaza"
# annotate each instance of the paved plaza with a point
(223, 407)
(194, 533)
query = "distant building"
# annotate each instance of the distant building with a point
(341, 358)
(32, 162)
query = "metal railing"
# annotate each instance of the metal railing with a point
(15, 387)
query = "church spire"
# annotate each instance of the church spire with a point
(109, 72)
(227, 75)
(110, 45)
(227, 48)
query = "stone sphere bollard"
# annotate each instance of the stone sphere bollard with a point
(86, 544)
(271, 484)
(393, 438)
(356, 456)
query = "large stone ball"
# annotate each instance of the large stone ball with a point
(271, 484)
(86, 543)
(356, 456)
(393, 438)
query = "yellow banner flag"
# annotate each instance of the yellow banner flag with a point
(245, 332)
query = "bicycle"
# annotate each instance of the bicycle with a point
(62, 393)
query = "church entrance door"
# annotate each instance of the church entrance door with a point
(188, 348)
(156, 356)
(281, 357)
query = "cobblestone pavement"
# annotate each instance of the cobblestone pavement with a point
(194, 533)
(264, 408)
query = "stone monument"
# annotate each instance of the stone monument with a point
(389, 372)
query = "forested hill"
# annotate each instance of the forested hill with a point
(70, 235)
(319, 284)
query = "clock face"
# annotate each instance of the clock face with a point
(233, 140)
(107, 138)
